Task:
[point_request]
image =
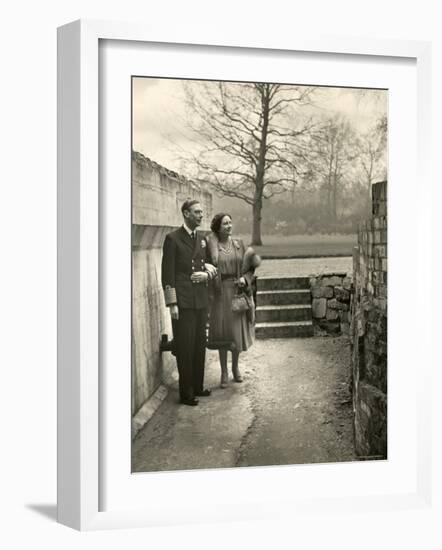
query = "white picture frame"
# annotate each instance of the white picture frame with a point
(79, 275)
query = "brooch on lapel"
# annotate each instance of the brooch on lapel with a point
(203, 243)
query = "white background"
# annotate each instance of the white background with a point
(397, 475)
(28, 274)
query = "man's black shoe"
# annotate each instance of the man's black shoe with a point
(192, 401)
(204, 393)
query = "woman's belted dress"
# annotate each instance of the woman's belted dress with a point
(228, 329)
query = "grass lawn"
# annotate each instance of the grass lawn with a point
(304, 246)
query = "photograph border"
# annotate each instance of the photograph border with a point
(78, 358)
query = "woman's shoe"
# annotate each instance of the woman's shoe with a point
(237, 375)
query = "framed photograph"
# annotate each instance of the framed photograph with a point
(227, 217)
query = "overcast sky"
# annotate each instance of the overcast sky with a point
(159, 116)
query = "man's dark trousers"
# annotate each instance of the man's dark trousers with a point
(189, 334)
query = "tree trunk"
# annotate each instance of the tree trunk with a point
(260, 169)
(369, 182)
(335, 203)
(335, 180)
(256, 224)
(329, 217)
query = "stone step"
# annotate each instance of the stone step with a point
(283, 283)
(281, 297)
(298, 312)
(293, 329)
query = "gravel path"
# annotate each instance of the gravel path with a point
(301, 404)
(294, 407)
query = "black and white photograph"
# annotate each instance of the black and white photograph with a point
(259, 274)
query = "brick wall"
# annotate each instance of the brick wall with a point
(157, 196)
(369, 330)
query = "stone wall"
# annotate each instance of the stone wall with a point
(369, 330)
(157, 196)
(331, 302)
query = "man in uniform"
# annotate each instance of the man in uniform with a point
(185, 275)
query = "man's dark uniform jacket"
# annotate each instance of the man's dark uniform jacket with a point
(181, 257)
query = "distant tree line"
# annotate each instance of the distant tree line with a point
(307, 214)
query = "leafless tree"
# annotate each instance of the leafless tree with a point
(251, 140)
(333, 153)
(373, 155)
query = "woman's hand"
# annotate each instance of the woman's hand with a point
(211, 270)
(199, 277)
(242, 282)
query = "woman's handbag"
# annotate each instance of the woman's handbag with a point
(240, 301)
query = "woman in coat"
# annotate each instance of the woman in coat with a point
(230, 330)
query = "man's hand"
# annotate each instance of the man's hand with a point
(242, 282)
(174, 313)
(199, 277)
(211, 270)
